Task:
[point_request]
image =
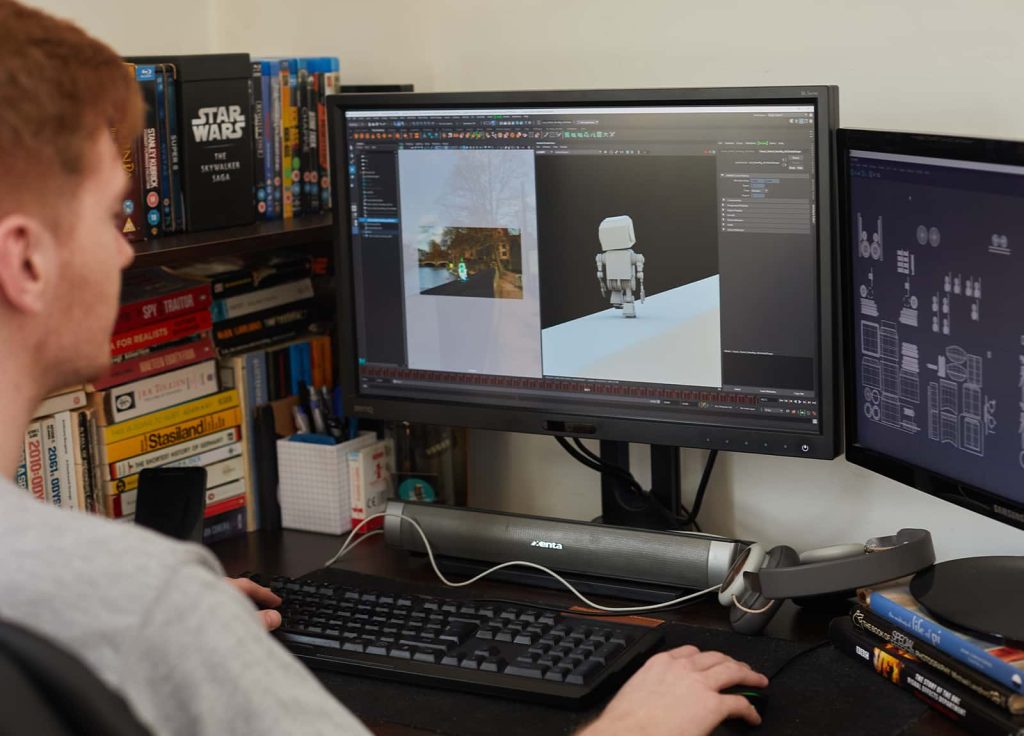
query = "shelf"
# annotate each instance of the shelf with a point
(260, 236)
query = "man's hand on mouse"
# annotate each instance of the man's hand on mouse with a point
(676, 693)
(264, 598)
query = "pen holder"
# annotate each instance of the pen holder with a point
(313, 488)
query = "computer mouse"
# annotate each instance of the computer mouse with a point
(756, 696)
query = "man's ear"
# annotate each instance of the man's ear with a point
(28, 262)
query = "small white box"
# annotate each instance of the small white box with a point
(313, 488)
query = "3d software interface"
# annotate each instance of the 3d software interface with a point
(475, 237)
(937, 280)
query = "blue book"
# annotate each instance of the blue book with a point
(294, 369)
(894, 603)
(255, 394)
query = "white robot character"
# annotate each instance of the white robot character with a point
(618, 267)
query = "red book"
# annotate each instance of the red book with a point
(152, 295)
(227, 505)
(158, 361)
(162, 332)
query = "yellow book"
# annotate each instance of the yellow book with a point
(169, 417)
(159, 439)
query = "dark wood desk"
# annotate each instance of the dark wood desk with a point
(295, 553)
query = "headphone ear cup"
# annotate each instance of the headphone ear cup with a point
(759, 609)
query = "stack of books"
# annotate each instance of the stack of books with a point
(254, 306)
(977, 683)
(56, 454)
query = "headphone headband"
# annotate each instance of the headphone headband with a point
(893, 557)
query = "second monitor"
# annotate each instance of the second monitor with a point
(651, 266)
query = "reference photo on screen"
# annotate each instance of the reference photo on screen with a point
(469, 246)
(666, 205)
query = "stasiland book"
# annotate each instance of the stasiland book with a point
(894, 602)
(940, 693)
(215, 139)
(985, 688)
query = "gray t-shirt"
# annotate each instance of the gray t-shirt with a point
(155, 619)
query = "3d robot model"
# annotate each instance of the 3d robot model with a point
(618, 267)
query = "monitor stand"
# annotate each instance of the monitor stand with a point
(665, 480)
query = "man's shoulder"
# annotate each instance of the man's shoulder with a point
(43, 548)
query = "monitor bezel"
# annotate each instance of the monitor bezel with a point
(916, 476)
(583, 423)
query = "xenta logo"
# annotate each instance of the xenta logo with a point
(218, 123)
(546, 545)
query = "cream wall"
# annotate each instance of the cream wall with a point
(955, 67)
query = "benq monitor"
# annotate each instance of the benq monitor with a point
(642, 265)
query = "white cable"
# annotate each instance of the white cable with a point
(346, 547)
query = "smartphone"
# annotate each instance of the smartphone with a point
(172, 501)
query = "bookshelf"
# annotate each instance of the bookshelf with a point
(175, 250)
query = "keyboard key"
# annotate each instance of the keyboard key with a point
(530, 670)
(353, 645)
(400, 652)
(426, 655)
(379, 648)
(584, 672)
(317, 641)
(493, 664)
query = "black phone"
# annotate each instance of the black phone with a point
(172, 501)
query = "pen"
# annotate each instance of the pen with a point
(316, 411)
(301, 420)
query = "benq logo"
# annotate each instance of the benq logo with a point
(546, 545)
(124, 402)
(218, 123)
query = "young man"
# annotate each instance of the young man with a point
(153, 617)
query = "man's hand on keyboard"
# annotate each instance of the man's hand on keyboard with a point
(264, 599)
(676, 693)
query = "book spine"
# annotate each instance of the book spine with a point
(152, 363)
(243, 281)
(876, 626)
(276, 135)
(160, 392)
(35, 459)
(168, 417)
(162, 332)
(163, 146)
(165, 306)
(260, 329)
(175, 434)
(287, 130)
(172, 454)
(56, 485)
(21, 472)
(946, 640)
(224, 526)
(238, 502)
(177, 194)
(261, 300)
(61, 402)
(297, 86)
(258, 151)
(323, 163)
(85, 456)
(146, 76)
(129, 483)
(226, 471)
(933, 689)
(225, 491)
(133, 227)
(268, 141)
(66, 435)
(356, 492)
(254, 373)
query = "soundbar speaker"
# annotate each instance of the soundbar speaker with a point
(668, 560)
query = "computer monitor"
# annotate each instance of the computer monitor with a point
(933, 255)
(486, 242)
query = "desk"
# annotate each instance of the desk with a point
(295, 553)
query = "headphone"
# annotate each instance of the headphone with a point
(759, 580)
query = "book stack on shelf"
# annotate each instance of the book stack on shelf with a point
(56, 453)
(978, 684)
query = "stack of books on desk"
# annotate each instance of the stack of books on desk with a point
(978, 684)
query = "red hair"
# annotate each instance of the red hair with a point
(59, 89)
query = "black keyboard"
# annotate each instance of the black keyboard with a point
(376, 630)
